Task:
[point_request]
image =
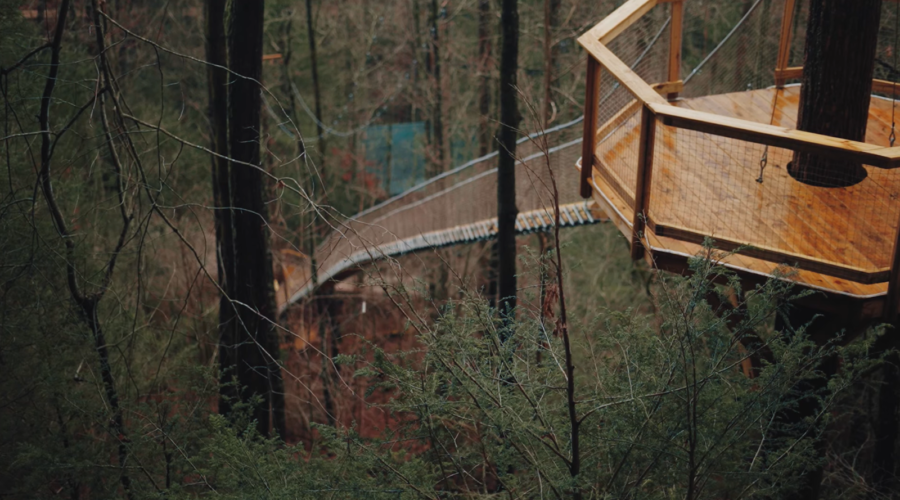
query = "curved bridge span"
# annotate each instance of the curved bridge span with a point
(458, 206)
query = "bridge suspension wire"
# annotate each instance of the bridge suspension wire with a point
(725, 40)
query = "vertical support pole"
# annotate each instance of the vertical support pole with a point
(644, 175)
(675, 45)
(591, 104)
(784, 45)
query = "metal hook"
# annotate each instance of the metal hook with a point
(762, 164)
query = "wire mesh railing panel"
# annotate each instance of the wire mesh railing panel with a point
(617, 146)
(708, 185)
(644, 46)
(534, 185)
(741, 55)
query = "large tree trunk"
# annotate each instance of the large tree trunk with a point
(217, 89)
(839, 61)
(484, 68)
(249, 349)
(802, 416)
(506, 168)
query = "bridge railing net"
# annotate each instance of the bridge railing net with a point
(617, 146)
(463, 196)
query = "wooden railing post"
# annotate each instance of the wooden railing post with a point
(644, 178)
(591, 105)
(675, 44)
(784, 45)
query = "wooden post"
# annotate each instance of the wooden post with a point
(675, 45)
(784, 46)
(591, 103)
(644, 175)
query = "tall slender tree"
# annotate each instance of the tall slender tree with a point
(217, 93)
(551, 19)
(249, 349)
(314, 62)
(438, 105)
(507, 211)
(484, 69)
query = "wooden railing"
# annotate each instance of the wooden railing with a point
(603, 63)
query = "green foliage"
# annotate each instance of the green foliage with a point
(663, 408)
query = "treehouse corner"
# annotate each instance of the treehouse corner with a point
(683, 144)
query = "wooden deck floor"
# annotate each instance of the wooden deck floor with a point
(707, 185)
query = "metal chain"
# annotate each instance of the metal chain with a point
(765, 156)
(893, 136)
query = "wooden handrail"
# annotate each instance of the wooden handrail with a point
(878, 85)
(617, 22)
(761, 133)
(626, 77)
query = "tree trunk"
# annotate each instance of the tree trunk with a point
(484, 68)
(217, 89)
(551, 10)
(438, 89)
(798, 419)
(314, 61)
(249, 349)
(506, 168)
(416, 47)
(839, 62)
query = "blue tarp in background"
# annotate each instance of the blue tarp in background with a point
(395, 154)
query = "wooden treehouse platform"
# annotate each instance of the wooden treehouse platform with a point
(672, 171)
